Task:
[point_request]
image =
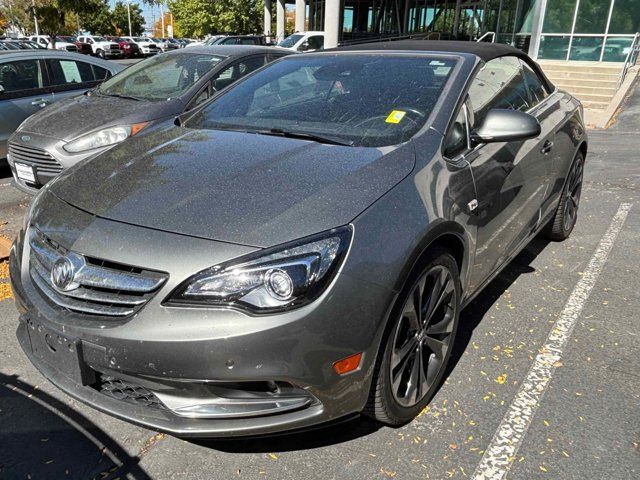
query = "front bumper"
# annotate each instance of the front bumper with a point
(180, 354)
(46, 156)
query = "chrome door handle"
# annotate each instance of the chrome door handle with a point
(40, 102)
(547, 147)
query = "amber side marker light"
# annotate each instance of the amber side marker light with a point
(348, 364)
(137, 127)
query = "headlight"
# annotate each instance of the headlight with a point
(103, 138)
(275, 279)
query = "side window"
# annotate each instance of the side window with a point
(69, 73)
(201, 97)
(537, 91)
(21, 77)
(316, 42)
(236, 71)
(100, 73)
(456, 140)
(505, 75)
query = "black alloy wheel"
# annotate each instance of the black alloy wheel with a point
(419, 344)
(561, 225)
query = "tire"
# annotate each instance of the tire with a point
(561, 225)
(100, 54)
(392, 401)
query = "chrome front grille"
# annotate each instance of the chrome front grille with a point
(38, 158)
(97, 287)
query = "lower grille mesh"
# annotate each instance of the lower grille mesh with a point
(127, 392)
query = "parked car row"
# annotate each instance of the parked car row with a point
(103, 47)
(268, 241)
(84, 126)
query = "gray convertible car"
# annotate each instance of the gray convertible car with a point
(299, 249)
(146, 93)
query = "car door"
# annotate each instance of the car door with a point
(553, 118)
(511, 177)
(24, 92)
(71, 77)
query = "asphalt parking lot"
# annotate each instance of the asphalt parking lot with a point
(545, 383)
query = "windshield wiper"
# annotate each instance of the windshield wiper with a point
(119, 95)
(321, 138)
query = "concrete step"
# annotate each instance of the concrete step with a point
(594, 97)
(586, 82)
(579, 89)
(603, 77)
(592, 67)
(594, 105)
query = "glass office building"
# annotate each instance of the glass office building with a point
(588, 30)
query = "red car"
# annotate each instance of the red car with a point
(128, 49)
(84, 48)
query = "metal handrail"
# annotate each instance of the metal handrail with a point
(632, 58)
(493, 37)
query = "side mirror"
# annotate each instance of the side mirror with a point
(502, 125)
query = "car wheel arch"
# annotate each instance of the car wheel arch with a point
(447, 235)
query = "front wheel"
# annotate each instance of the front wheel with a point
(562, 223)
(419, 343)
(101, 54)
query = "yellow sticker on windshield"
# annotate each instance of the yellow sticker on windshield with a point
(395, 116)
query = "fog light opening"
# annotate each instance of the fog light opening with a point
(348, 364)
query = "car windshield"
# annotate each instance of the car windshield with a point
(290, 41)
(99, 39)
(160, 78)
(139, 39)
(358, 99)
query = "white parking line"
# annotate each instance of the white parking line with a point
(505, 443)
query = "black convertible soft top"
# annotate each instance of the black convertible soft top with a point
(485, 50)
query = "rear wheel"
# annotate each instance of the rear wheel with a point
(561, 225)
(419, 343)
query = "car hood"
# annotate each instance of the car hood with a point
(72, 117)
(234, 187)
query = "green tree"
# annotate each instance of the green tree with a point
(196, 18)
(99, 21)
(121, 21)
(52, 14)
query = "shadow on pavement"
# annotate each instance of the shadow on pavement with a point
(471, 316)
(323, 436)
(5, 171)
(41, 437)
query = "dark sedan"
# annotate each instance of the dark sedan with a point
(146, 93)
(299, 249)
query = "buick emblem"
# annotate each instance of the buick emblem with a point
(25, 138)
(62, 274)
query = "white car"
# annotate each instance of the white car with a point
(102, 47)
(45, 41)
(303, 42)
(146, 45)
